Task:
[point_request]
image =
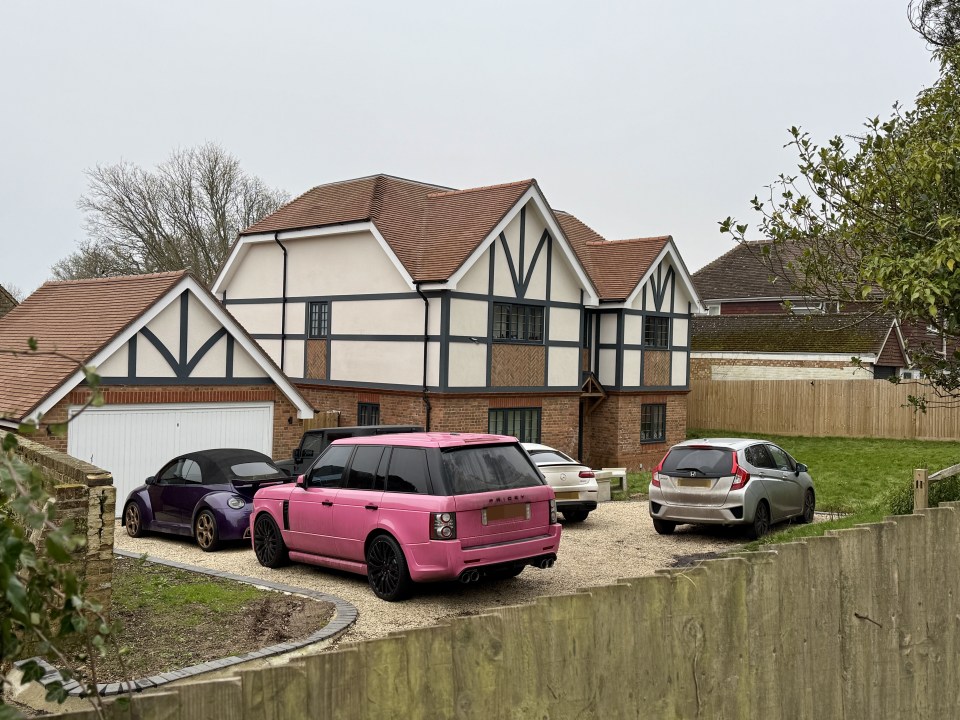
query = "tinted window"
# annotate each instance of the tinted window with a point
(363, 469)
(781, 460)
(487, 468)
(705, 461)
(549, 457)
(408, 471)
(758, 456)
(328, 471)
(169, 475)
(254, 469)
(312, 445)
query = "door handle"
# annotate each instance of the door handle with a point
(372, 507)
(327, 503)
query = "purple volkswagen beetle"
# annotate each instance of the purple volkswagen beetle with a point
(207, 495)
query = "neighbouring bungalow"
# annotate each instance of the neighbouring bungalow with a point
(394, 301)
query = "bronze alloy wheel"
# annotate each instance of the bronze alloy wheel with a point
(132, 521)
(208, 538)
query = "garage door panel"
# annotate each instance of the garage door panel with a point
(133, 442)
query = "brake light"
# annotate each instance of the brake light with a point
(553, 512)
(740, 476)
(655, 479)
(443, 526)
(587, 474)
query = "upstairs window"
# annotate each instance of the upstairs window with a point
(656, 332)
(521, 323)
(318, 320)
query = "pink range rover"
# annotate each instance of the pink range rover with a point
(412, 507)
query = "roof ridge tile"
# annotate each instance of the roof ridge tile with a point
(499, 186)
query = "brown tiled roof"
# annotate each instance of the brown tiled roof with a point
(853, 334)
(615, 266)
(7, 301)
(75, 318)
(740, 273)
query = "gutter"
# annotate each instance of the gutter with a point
(283, 307)
(426, 340)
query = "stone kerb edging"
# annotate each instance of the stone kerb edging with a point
(344, 617)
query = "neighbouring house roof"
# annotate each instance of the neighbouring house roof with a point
(740, 273)
(846, 334)
(74, 321)
(434, 230)
(7, 301)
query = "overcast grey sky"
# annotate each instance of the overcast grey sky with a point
(641, 118)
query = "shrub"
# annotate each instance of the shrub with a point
(899, 500)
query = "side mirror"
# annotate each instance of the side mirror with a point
(301, 481)
(151, 480)
(801, 468)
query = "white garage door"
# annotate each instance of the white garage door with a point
(133, 441)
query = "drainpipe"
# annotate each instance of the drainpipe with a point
(426, 341)
(283, 308)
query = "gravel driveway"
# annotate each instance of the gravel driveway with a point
(617, 541)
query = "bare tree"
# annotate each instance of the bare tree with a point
(15, 291)
(184, 214)
(938, 21)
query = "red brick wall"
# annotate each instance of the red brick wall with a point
(612, 431)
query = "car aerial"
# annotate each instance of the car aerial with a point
(574, 484)
(730, 481)
(206, 495)
(413, 507)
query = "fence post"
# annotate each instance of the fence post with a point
(920, 489)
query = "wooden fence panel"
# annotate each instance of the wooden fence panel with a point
(818, 408)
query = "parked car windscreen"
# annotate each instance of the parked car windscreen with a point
(706, 461)
(487, 468)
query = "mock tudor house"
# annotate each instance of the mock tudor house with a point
(177, 372)
(755, 328)
(394, 301)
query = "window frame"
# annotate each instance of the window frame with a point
(525, 423)
(322, 320)
(652, 332)
(519, 317)
(661, 408)
(368, 407)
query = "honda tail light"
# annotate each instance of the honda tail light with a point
(740, 476)
(586, 474)
(443, 526)
(655, 479)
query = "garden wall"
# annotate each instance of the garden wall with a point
(84, 494)
(859, 624)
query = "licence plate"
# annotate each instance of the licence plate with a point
(568, 496)
(499, 513)
(694, 482)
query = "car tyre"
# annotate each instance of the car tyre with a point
(664, 527)
(761, 521)
(268, 544)
(575, 516)
(809, 507)
(133, 520)
(387, 572)
(206, 532)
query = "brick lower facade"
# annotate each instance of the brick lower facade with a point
(612, 430)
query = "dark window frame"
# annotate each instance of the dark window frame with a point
(527, 423)
(653, 423)
(318, 320)
(656, 332)
(366, 411)
(518, 323)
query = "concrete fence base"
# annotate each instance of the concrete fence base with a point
(862, 623)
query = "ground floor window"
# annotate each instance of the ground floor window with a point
(522, 423)
(653, 423)
(368, 413)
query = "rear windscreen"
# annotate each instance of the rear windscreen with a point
(487, 468)
(711, 462)
(549, 457)
(251, 470)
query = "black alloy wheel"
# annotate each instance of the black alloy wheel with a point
(387, 571)
(761, 521)
(809, 507)
(268, 543)
(132, 520)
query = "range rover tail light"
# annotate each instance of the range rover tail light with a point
(553, 512)
(443, 526)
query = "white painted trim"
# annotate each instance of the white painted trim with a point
(148, 407)
(9, 425)
(813, 357)
(245, 241)
(533, 193)
(304, 410)
(671, 250)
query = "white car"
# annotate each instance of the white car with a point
(575, 485)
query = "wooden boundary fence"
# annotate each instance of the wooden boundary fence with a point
(861, 623)
(834, 408)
